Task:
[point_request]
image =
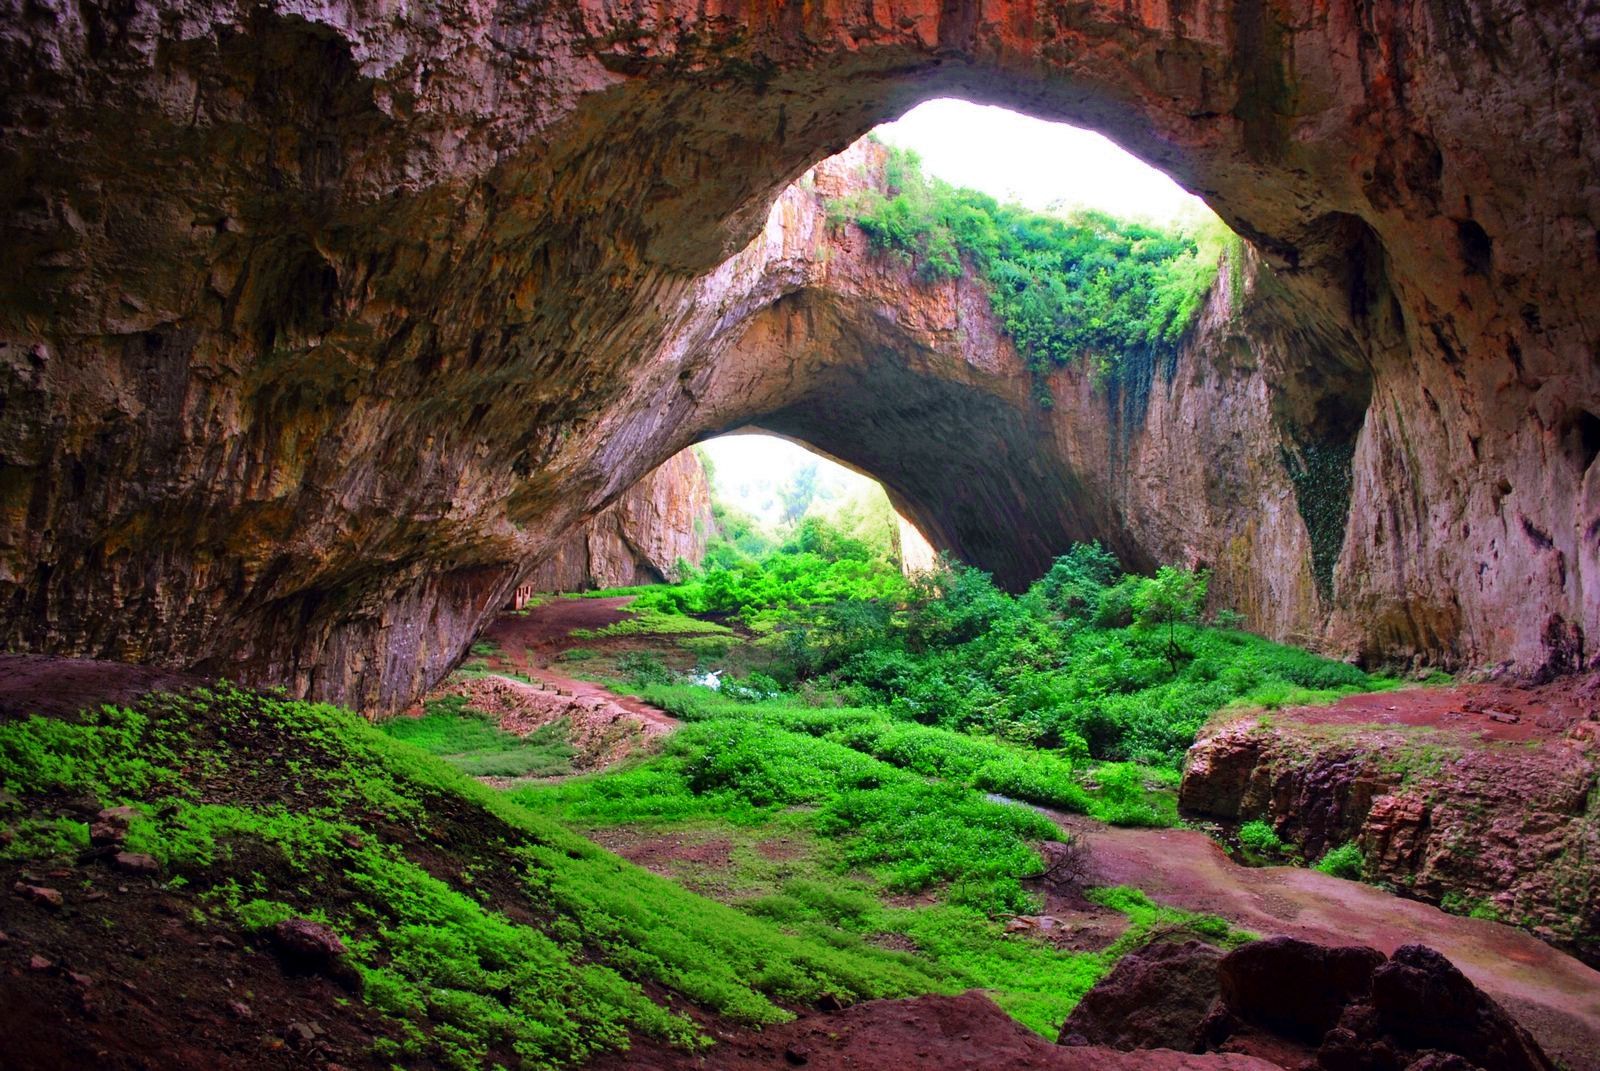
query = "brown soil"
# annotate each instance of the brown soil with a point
(123, 977)
(962, 1033)
(60, 687)
(528, 644)
(667, 854)
(1553, 995)
(546, 628)
(1498, 712)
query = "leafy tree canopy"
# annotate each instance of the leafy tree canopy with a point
(1082, 286)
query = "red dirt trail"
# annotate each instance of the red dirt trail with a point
(529, 643)
(1553, 995)
(1556, 997)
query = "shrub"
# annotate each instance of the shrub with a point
(1344, 861)
(1085, 286)
(1258, 836)
(641, 667)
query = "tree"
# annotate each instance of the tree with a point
(798, 492)
(1173, 595)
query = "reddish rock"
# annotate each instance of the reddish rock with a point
(39, 894)
(1422, 1001)
(307, 941)
(103, 834)
(307, 947)
(39, 963)
(1394, 833)
(1303, 1005)
(1293, 987)
(1158, 996)
(1498, 826)
(118, 816)
(136, 863)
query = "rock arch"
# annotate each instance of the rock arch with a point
(321, 318)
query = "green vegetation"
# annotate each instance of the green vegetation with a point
(1260, 836)
(1086, 286)
(887, 812)
(473, 742)
(1344, 861)
(1089, 663)
(424, 874)
(486, 934)
(1460, 904)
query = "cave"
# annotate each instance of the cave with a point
(389, 376)
(329, 330)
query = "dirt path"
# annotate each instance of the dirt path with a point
(1564, 708)
(1552, 994)
(528, 645)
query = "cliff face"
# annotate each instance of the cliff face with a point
(1495, 817)
(640, 538)
(323, 320)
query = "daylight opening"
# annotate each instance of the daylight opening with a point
(1037, 164)
(765, 489)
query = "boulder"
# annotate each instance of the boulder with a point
(1422, 1001)
(1299, 1004)
(1158, 996)
(1295, 988)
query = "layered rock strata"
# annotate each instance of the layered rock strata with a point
(1507, 830)
(323, 322)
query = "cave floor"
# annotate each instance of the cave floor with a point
(1556, 996)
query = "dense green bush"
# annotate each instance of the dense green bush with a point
(1258, 836)
(1345, 861)
(1088, 663)
(1119, 294)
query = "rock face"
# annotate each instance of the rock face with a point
(325, 322)
(1505, 829)
(1157, 997)
(1305, 1006)
(640, 538)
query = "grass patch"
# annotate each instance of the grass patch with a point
(473, 742)
(517, 943)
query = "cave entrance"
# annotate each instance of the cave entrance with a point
(764, 487)
(975, 307)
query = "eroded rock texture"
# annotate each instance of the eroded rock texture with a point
(1504, 829)
(322, 320)
(1305, 1006)
(640, 538)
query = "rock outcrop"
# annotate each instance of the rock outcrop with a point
(1304, 1006)
(640, 538)
(1505, 829)
(323, 322)
(1157, 997)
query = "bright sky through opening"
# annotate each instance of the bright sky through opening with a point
(1009, 156)
(1038, 164)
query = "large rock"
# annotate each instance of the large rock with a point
(1296, 988)
(641, 538)
(324, 322)
(1158, 996)
(1423, 1002)
(1304, 1005)
(1499, 828)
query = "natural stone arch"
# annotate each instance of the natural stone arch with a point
(382, 308)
